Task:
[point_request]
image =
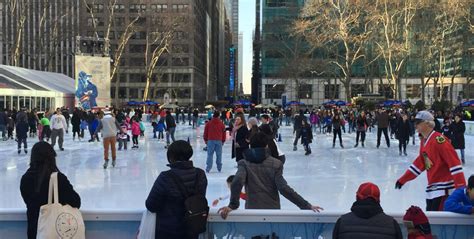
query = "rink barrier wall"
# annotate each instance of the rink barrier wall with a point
(123, 224)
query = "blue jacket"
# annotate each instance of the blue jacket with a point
(166, 200)
(459, 202)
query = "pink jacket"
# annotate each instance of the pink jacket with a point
(135, 128)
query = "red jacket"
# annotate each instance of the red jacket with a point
(442, 164)
(214, 130)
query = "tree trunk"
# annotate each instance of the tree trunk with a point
(347, 88)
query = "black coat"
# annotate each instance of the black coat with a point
(361, 123)
(403, 130)
(34, 200)
(458, 130)
(240, 138)
(170, 122)
(22, 129)
(76, 121)
(166, 200)
(366, 221)
(3, 118)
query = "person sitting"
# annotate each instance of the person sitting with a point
(366, 219)
(262, 176)
(417, 224)
(167, 200)
(462, 199)
(34, 185)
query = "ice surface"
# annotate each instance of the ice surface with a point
(328, 177)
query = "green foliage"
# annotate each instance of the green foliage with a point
(441, 106)
(420, 105)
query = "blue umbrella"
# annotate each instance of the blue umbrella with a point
(150, 102)
(295, 103)
(341, 103)
(468, 103)
(132, 103)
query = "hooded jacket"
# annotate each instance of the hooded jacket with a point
(167, 201)
(262, 176)
(366, 221)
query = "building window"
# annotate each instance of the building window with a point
(274, 91)
(159, 7)
(137, 7)
(137, 61)
(137, 78)
(180, 78)
(140, 20)
(119, 21)
(119, 8)
(137, 48)
(180, 62)
(98, 21)
(305, 91)
(139, 35)
(413, 91)
(180, 48)
(357, 89)
(276, 3)
(132, 93)
(122, 92)
(386, 91)
(468, 91)
(179, 35)
(331, 91)
(180, 7)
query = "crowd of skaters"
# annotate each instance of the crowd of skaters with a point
(254, 144)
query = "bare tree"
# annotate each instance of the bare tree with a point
(159, 41)
(17, 11)
(343, 24)
(395, 20)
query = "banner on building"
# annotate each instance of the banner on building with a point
(92, 81)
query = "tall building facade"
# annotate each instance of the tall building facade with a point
(189, 71)
(39, 34)
(256, 94)
(314, 88)
(232, 8)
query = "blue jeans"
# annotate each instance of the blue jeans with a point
(169, 132)
(214, 146)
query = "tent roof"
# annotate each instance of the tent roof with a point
(12, 77)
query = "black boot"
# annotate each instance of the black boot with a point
(357, 144)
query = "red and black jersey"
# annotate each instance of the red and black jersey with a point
(444, 170)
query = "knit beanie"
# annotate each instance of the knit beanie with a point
(415, 215)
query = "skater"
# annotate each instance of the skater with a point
(123, 137)
(252, 125)
(336, 125)
(229, 180)
(262, 177)
(403, 134)
(109, 127)
(10, 127)
(458, 127)
(93, 122)
(361, 125)
(438, 158)
(447, 130)
(160, 128)
(412, 128)
(58, 126)
(367, 219)
(382, 125)
(214, 137)
(239, 136)
(3, 123)
(170, 128)
(32, 123)
(272, 123)
(135, 132)
(46, 128)
(272, 144)
(84, 126)
(296, 128)
(76, 124)
(142, 129)
(22, 134)
(306, 136)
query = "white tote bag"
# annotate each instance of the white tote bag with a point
(58, 221)
(147, 226)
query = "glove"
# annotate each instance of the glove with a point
(398, 185)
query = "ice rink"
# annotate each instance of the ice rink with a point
(328, 177)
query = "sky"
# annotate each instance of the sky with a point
(247, 26)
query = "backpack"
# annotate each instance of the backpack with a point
(196, 207)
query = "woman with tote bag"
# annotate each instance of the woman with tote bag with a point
(35, 184)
